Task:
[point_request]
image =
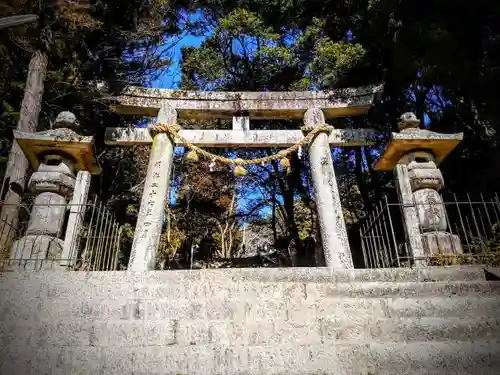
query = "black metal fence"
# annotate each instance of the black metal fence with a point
(94, 245)
(474, 220)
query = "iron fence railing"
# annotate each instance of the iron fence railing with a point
(95, 245)
(474, 220)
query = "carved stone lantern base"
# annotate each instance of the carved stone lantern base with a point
(41, 247)
(441, 243)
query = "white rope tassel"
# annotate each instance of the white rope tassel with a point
(212, 165)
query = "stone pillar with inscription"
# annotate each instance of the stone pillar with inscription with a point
(149, 223)
(414, 154)
(333, 231)
(55, 155)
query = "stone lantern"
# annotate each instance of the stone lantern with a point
(55, 155)
(414, 155)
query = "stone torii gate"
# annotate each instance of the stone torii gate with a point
(311, 107)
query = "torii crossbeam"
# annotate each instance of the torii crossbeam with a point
(311, 107)
(242, 106)
(256, 105)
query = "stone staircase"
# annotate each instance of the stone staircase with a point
(251, 321)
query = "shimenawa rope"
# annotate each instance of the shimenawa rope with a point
(173, 132)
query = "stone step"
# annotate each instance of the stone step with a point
(308, 290)
(403, 289)
(437, 358)
(461, 307)
(289, 283)
(436, 321)
(446, 358)
(320, 274)
(265, 290)
(251, 309)
(251, 300)
(114, 279)
(123, 333)
(388, 358)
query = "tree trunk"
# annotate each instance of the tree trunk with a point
(291, 225)
(374, 176)
(360, 179)
(273, 218)
(12, 21)
(15, 175)
(229, 227)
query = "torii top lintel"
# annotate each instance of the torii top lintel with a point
(257, 105)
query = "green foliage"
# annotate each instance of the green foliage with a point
(170, 244)
(213, 71)
(241, 23)
(332, 59)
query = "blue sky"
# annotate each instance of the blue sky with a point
(170, 77)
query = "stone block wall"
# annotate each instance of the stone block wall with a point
(250, 321)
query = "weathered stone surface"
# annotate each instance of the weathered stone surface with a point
(413, 164)
(456, 357)
(47, 215)
(187, 280)
(326, 194)
(66, 120)
(77, 208)
(416, 157)
(241, 123)
(36, 247)
(410, 215)
(51, 181)
(425, 178)
(57, 163)
(443, 307)
(441, 243)
(406, 141)
(430, 210)
(150, 219)
(401, 289)
(414, 154)
(259, 105)
(109, 323)
(408, 120)
(66, 141)
(180, 278)
(238, 138)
